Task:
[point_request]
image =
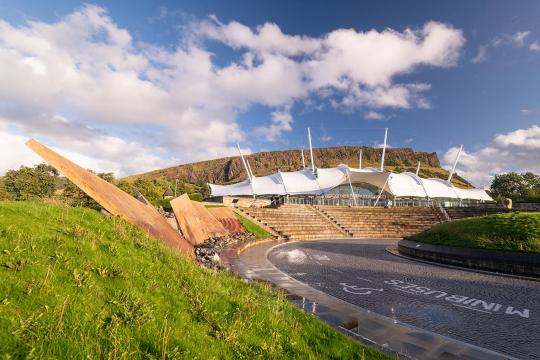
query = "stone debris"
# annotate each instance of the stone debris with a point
(207, 253)
(165, 213)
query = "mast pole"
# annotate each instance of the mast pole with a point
(384, 148)
(455, 163)
(352, 189)
(244, 161)
(311, 150)
(250, 171)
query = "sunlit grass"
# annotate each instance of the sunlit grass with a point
(253, 228)
(518, 231)
(76, 284)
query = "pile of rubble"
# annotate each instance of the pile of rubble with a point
(207, 253)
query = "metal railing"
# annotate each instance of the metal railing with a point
(347, 200)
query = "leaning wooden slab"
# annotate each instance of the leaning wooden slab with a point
(114, 200)
(227, 218)
(195, 221)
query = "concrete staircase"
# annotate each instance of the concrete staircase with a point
(296, 222)
(379, 222)
(457, 213)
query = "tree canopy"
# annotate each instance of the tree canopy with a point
(518, 187)
(76, 197)
(28, 183)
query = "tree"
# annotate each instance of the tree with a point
(31, 183)
(126, 186)
(78, 198)
(153, 189)
(4, 195)
(518, 187)
(531, 180)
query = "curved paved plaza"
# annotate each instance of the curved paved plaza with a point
(493, 312)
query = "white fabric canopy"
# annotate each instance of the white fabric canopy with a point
(304, 182)
(300, 182)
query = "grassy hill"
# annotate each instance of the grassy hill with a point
(230, 169)
(505, 232)
(76, 284)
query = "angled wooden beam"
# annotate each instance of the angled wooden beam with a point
(195, 221)
(115, 201)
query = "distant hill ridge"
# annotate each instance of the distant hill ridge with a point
(230, 169)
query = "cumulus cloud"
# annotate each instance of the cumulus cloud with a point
(517, 150)
(74, 82)
(373, 115)
(266, 38)
(14, 152)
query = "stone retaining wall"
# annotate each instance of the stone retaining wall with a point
(499, 261)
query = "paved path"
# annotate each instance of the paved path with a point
(493, 312)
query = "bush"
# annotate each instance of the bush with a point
(196, 197)
(31, 182)
(75, 197)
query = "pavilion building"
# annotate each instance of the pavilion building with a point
(344, 185)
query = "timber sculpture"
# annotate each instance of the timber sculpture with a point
(116, 201)
(196, 221)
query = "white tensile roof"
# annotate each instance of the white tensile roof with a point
(304, 182)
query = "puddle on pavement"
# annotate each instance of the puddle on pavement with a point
(433, 314)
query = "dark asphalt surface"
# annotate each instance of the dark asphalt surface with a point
(494, 312)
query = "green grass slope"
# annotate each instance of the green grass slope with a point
(75, 284)
(506, 232)
(253, 228)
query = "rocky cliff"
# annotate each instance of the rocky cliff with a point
(230, 169)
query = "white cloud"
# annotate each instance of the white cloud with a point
(517, 150)
(87, 68)
(534, 46)
(373, 115)
(517, 39)
(481, 55)
(326, 138)
(267, 38)
(15, 153)
(281, 121)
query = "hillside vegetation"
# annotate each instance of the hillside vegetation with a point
(505, 232)
(230, 169)
(76, 284)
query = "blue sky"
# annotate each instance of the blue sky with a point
(171, 82)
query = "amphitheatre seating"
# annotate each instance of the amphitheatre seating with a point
(457, 213)
(379, 222)
(296, 222)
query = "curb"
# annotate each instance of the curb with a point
(394, 251)
(511, 263)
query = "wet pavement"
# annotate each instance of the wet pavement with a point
(493, 312)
